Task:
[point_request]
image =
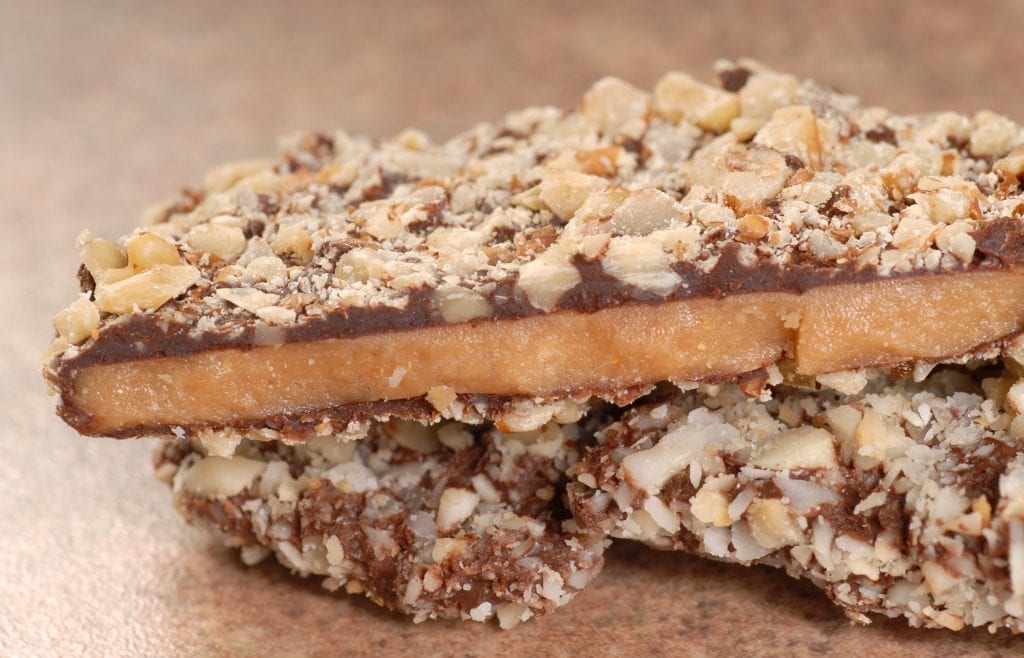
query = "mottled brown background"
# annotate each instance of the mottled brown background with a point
(105, 107)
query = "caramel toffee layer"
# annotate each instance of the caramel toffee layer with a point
(825, 329)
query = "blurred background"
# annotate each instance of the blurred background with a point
(106, 107)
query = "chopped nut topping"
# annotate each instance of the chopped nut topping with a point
(99, 256)
(678, 96)
(249, 299)
(617, 108)
(224, 242)
(458, 304)
(147, 290)
(77, 322)
(780, 167)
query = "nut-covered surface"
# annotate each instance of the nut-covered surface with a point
(432, 522)
(108, 106)
(905, 500)
(758, 181)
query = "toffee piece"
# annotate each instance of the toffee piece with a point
(906, 500)
(431, 522)
(695, 233)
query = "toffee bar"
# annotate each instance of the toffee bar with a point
(826, 329)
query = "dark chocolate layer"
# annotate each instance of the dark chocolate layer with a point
(1000, 246)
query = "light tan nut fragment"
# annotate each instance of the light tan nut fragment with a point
(361, 264)
(937, 578)
(225, 242)
(901, 175)
(456, 505)
(962, 246)
(641, 262)
(447, 547)
(147, 290)
(221, 444)
(564, 191)
(294, 240)
(643, 212)
(766, 92)
(227, 175)
(603, 161)
(616, 107)
(147, 250)
(78, 321)
(53, 350)
(847, 382)
(877, 439)
(794, 130)
(1012, 164)
(511, 615)
(220, 476)
(915, 233)
(547, 277)
(414, 436)
(248, 299)
(945, 205)
(993, 134)
(802, 447)
(752, 180)
(678, 96)
(982, 508)
(870, 220)
(753, 228)
(440, 397)
(844, 420)
(266, 268)
(100, 256)
(456, 437)
(458, 304)
(711, 507)
(1015, 398)
(592, 216)
(276, 315)
(144, 252)
(772, 525)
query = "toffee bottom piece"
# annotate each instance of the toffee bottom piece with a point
(905, 501)
(429, 522)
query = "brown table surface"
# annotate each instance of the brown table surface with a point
(105, 108)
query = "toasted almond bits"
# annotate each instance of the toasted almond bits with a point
(249, 299)
(77, 322)
(224, 242)
(564, 191)
(100, 256)
(772, 525)
(456, 506)
(678, 96)
(617, 107)
(458, 304)
(147, 290)
(546, 278)
(804, 447)
(441, 396)
(293, 240)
